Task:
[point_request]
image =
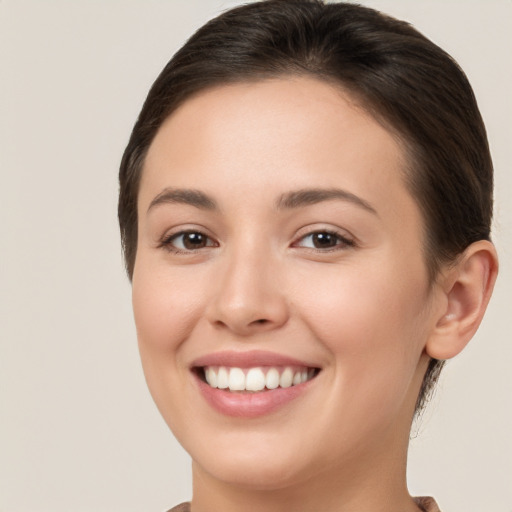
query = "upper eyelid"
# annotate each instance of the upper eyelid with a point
(172, 236)
(342, 238)
(311, 230)
(181, 229)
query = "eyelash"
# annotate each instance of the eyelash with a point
(341, 242)
(167, 242)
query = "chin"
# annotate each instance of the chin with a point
(257, 462)
(251, 473)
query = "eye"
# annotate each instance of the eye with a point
(324, 240)
(186, 241)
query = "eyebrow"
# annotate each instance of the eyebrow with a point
(310, 196)
(184, 196)
(289, 200)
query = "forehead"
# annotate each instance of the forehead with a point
(293, 132)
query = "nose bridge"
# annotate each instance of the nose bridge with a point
(248, 297)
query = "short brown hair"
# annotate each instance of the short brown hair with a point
(398, 75)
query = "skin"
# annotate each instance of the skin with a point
(363, 311)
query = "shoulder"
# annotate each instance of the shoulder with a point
(182, 507)
(427, 504)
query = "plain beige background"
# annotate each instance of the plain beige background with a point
(78, 430)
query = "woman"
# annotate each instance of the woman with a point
(305, 211)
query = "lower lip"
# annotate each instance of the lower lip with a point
(250, 405)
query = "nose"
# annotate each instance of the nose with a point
(248, 297)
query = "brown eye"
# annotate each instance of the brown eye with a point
(194, 241)
(189, 241)
(324, 240)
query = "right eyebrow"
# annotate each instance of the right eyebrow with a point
(191, 197)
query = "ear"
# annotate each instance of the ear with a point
(466, 289)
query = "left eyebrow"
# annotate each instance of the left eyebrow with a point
(310, 196)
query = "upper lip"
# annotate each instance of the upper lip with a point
(248, 359)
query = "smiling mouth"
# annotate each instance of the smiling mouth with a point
(256, 379)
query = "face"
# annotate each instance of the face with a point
(280, 290)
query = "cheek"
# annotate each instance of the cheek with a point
(165, 306)
(374, 324)
(373, 305)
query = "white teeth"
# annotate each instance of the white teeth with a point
(286, 379)
(236, 379)
(255, 379)
(272, 379)
(211, 377)
(222, 378)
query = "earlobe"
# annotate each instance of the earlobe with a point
(467, 288)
